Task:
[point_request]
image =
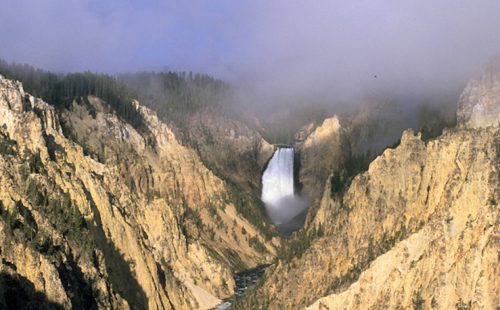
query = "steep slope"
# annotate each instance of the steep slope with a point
(199, 109)
(446, 216)
(232, 148)
(431, 207)
(111, 216)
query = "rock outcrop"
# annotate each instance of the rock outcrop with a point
(321, 152)
(479, 104)
(95, 214)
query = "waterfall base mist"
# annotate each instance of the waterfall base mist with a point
(288, 213)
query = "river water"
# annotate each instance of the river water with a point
(244, 280)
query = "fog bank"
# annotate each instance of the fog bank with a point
(273, 52)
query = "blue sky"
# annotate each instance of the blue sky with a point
(118, 35)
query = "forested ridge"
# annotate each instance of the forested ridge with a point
(173, 95)
(61, 89)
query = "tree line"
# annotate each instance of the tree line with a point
(61, 89)
(173, 95)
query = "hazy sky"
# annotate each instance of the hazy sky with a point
(278, 46)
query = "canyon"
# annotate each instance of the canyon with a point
(418, 229)
(97, 212)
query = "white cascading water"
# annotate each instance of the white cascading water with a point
(282, 205)
(277, 180)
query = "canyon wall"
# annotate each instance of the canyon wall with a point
(96, 214)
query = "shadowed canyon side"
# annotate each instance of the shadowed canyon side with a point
(97, 214)
(232, 148)
(418, 229)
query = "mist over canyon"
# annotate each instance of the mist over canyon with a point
(249, 155)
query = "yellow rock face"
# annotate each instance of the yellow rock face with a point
(141, 223)
(439, 267)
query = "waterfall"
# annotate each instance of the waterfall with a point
(282, 205)
(277, 180)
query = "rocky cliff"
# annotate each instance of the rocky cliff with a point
(321, 149)
(436, 231)
(479, 104)
(321, 152)
(95, 214)
(418, 229)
